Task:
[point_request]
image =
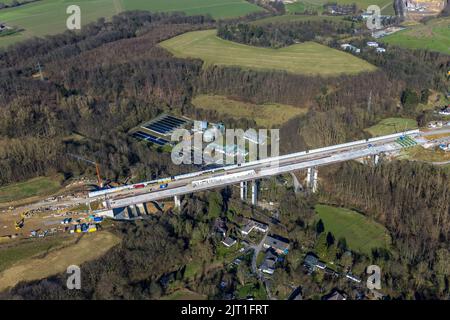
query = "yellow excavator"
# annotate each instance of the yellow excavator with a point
(19, 224)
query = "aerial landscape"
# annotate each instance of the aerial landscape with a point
(225, 150)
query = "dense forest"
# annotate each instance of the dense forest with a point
(111, 76)
(277, 35)
(98, 83)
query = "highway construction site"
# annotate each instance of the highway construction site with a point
(82, 210)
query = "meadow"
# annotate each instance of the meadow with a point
(433, 35)
(265, 115)
(41, 258)
(392, 125)
(306, 58)
(34, 187)
(300, 6)
(361, 233)
(48, 17)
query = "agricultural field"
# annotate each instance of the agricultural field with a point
(48, 17)
(306, 58)
(300, 6)
(361, 233)
(433, 35)
(304, 5)
(12, 252)
(39, 186)
(266, 115)
(391, 125)
(42, 260)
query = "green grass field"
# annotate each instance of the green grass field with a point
(360, 232)
(10, 254)
(48, 17)
(34, 187)
(304, 58)
(433, 35)
(266, 115)
(35, 259)
(303, 5)
(392, 125)
(300, 6)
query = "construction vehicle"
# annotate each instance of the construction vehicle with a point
(97, 168)
(19, 224)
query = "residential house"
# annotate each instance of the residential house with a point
(380, 50)
(277, 243)
(372, 44)
(335, 9)
(220, 227)
(254, 225)
(312, 263)
(445, 111)
(229, 242)
(270, 260)
(349, 47)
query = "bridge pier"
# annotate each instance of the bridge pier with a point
(312, 181)
(141, 209)
(243, 188)
(375, 159)
(177, 201)
(254, 192)
(297, 185)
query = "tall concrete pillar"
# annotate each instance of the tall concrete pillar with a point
(132, 211)
(297, 185)
(312, 180)
(177, 201)
(376, 159)
(243, 190)
(141, 209)
(254, 192)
